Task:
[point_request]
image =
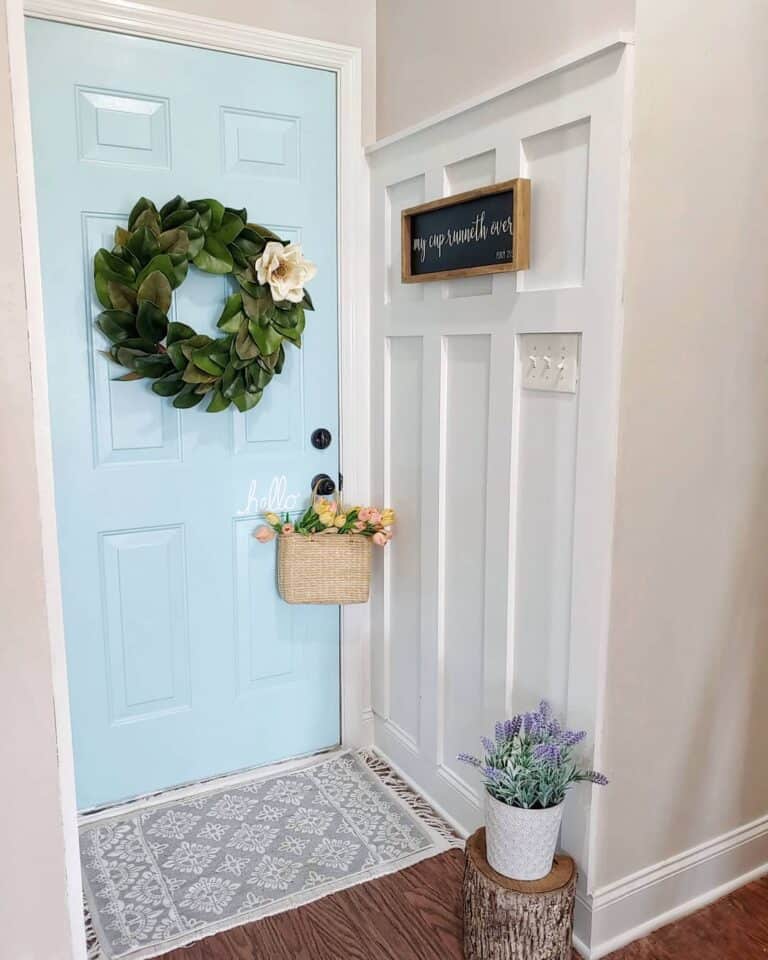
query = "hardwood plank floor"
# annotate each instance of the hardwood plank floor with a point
(416, 915)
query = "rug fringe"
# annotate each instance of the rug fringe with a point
(418, 805)
(93, 949)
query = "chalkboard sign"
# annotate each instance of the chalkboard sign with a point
(480, 231)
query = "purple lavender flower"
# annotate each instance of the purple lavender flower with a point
(493, 774)
(468, 758)
(545, 711)
(488, 745)
(499, 731)
(547, 752)
(512, 727)
(569, 738)
(594, 777)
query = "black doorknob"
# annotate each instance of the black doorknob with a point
(321, 438)
(323, 485)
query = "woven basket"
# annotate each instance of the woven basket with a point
(324, 567)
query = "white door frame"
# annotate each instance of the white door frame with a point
(123, 16)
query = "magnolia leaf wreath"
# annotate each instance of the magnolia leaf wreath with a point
(136, 280)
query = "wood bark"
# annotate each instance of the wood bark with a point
(508, 919)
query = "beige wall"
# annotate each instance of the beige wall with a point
(686, 711)
(435, 54)
(33, 909)
(351, 22)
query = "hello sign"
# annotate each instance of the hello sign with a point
(477, 232)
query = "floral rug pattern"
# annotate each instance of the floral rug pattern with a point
(172, 874)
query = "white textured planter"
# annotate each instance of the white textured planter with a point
(521, 843)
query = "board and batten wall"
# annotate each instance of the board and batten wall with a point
(495, 590)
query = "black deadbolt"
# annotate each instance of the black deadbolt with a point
(323, 485)
(321, 438)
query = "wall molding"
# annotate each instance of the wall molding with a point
(124, 16)
(634, 906)
(619, 39)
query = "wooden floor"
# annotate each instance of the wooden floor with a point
(416, 915)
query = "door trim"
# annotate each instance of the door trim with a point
(122, 16)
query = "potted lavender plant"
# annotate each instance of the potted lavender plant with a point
(528, 769)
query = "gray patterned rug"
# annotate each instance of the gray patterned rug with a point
(167, 876)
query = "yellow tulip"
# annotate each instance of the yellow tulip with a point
(340, 521)
(325, 518)
(388, 517)
(272, 518)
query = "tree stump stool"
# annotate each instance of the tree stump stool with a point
(516, 919)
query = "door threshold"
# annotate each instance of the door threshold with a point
(187, 790)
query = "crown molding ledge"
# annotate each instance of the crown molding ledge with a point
(137, 19)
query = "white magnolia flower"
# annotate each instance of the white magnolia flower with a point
(285, 270)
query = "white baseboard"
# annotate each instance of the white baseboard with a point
(634, 906)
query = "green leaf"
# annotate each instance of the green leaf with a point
(151, 321)
(155, 365)
(187, 397)
(180, 268)
(307, 301)
(157, 290)
(143, 245)
(196, 241)
(242, 213)
(246, 401)
(203, 361)
(249, 244)
(189, 346)
(121, 296)
(106, 267)
(139, 343)
(231, 226)
(139, 207)
(148, 219)
(231, 315)
(174, 241)
(127, 356)
(192, 374)
(176, 354)
(214, 257)
(172, 206)
(245, 346)
(267, 339)
(184, 216)
(264, 233)
(216, 210)
(232, 383)
(122, 236)
(169, 385)
(178, 331)
(116, 325)
(218, 402)
(133, 375)
(280, 359)
(162, 263)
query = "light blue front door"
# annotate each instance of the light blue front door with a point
(183, 662)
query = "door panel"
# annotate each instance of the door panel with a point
(183, 662)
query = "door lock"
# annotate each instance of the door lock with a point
(321, 438)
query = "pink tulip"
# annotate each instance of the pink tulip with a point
(364, 514)
(379, 539)
(287, 528)
(374, 516)
(358, 525)
(264, 534)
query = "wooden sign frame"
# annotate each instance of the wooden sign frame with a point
(519, 188)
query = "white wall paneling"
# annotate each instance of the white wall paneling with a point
(494, 592)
